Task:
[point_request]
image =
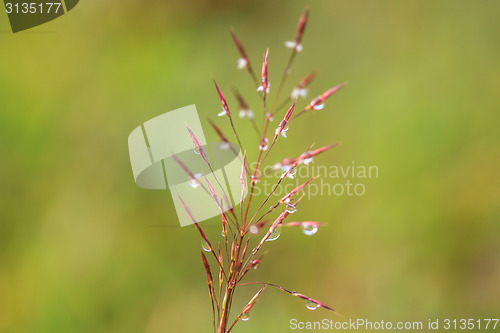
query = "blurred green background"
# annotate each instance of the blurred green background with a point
(83, 249)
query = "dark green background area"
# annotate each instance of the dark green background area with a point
(82, 248)
(70, 4)
(20, 21)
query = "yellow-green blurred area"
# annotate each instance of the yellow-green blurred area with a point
(83, 249)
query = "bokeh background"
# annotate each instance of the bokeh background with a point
(83, 249)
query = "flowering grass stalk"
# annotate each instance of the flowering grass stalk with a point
(232, 255)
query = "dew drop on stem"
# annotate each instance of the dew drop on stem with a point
(264, 144)
(290, 208)
(205, 246)
(193, 182)
(224, 145)
(308, 160)
(275, 234)
(309, 230)
(245, 316)
(291, 175)
(196, 150)
(311, 305)
(319, 106)
(242, 63)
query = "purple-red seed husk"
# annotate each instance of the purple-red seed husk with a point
(251, 303)
(304, 83)
(243, 176)
(217, 130)
(295, 190)
(241, 50)
(265, 81)
(223, 100)
(203, 236)
(285, 120)
(241, 101)
(301, 26)
(198, 145)
(317, 151)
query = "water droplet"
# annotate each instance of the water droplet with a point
(246, 113)
(290, 208)
(196, 149)
(260, 88)
(255, 264)
(205, 246)
(193, 183)
(308, 160)
(224, 145)
(290, 44)
(269, 116)
(311, 305)
(319, 106)
(309, 229)
(223, 234)
(264, 144)
(275, 234)
(283, 131)
(222, 113)
(292, 173)
(298, 47)
(245, 316)
(254, 229)
(242, 63)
